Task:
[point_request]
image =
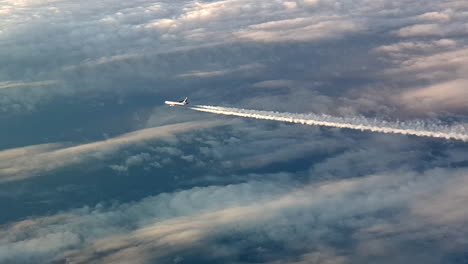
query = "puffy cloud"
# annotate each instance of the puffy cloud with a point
(166, 207)
(120, 38)
(132, 161)
(165, 226)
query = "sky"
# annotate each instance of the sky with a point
(94, 168)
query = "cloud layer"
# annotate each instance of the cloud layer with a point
(164, 227)
(77, 77)
(25, 162)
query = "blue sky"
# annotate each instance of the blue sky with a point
(95, 169)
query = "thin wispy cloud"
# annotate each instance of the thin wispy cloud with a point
(242, 69)
(16, 84)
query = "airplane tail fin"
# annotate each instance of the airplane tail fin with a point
(185, 101)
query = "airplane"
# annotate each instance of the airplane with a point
(179, 103)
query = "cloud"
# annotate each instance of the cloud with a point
(451, 95)
(321, 255)
(420, 30)
(132, 161)
(298, 29)
(107, 222)
(197, 14)
(104, 60)
(441, 27)
(24, 96)
(421, 46)
(169, 225)
(445, 207)
(274, 84)
(119, 39)
(12, 154)
(436, 16)
(11, 84)
(242, 69)
(21, 163)
(433, 73)
(371, 198)
(442, 72)
(450, 61)
(290, 4)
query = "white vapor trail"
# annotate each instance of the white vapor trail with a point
(416, 128)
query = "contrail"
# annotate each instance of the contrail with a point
(416, 128)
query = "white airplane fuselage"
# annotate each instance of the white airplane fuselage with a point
(180, 103)
(171, 103)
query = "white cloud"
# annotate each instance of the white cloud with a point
(451, 95)
(126, 35)
(27, 3)
(15, 84)
(104, 60)
(439, 66)
(298, 29)
(452, 59)
(420, 30)
(435, 16)
(311, 1)
(444, 207)
(274, 84)
(167, 208)
(36, 160)
(163, 23)
(434, 29)
(322, 255)
(137, 159)
(242, 69)
(208, 11)
(12, 154)
(422, 46)
(290, 4)
(168, 224)
(132, 161)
